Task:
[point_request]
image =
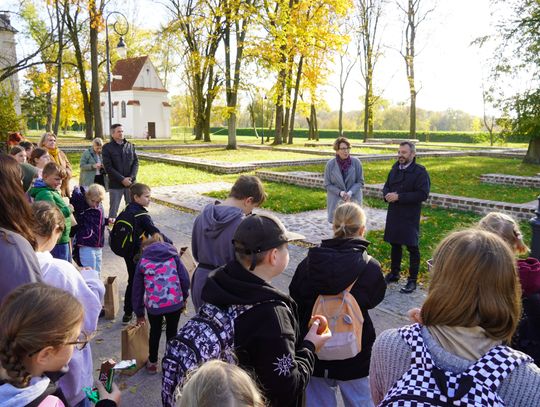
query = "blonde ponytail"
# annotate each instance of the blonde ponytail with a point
(349, 219)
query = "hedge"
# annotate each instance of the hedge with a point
(433, 136)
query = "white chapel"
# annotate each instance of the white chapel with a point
(139, 100)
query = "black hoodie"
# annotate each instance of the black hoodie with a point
(328, 270)
(265, 337)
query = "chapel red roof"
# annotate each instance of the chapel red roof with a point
(129, 68)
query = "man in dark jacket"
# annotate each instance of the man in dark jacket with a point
(265, 336)
(406, 187)
(121, 164)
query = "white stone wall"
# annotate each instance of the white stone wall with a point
(8, 56)
(135, 123)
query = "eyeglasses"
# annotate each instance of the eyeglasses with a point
(345, 149)
(82, 340)
(80, 343)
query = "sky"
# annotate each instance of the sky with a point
(449, 70)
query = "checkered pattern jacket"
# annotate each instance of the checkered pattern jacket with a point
(426, 385)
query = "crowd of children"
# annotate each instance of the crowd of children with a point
(270, 348)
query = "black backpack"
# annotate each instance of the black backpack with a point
(122, 236)
(208, 335)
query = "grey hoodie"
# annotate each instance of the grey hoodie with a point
(211, 242)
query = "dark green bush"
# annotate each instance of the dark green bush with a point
(433, 136)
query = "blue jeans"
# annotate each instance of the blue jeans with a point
(323, 392)
(91, 257)
(61, 251)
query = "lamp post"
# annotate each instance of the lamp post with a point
(120, 48)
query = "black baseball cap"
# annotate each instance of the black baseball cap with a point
(258, 233)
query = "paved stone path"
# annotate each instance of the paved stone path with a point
(143, 389)
(312, 224)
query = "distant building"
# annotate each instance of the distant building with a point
(8, 57)
(139, 100)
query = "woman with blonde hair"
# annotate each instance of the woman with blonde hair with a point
(340, 263)
(48, 142)
(527, 337)
(217, 383)
(457, 353)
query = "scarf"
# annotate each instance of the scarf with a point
(53, 152)
(468, 343)
(344, 165)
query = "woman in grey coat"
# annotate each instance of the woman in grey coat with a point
(343, 177)
(92, 170)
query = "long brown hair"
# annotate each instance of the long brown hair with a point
(15, 212)
(474, 282)
(32, 317)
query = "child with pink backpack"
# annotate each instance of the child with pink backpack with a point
(161, 285)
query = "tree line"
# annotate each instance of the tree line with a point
(279, 53)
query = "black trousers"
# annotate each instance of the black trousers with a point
(172, 319)
(414, 260)
(131, 265)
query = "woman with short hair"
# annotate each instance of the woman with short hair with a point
(92, 170)
(343, 177)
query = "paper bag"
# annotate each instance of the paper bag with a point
(112, 301)
(135, 345)
(188, 261)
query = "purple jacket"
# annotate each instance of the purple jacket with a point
(91, 222)
(161, 282)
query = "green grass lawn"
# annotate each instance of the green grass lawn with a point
(241, 155)
(456, 176)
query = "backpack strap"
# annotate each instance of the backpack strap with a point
(367, 258)
(492, 368)
(420, 356)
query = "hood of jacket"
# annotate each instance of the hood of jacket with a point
(232, 284)
(334, 266)
(216, 218)
(11, 396)
(39, 185)
(529, 275)
(160, 251)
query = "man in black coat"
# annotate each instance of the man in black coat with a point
(406, 187)
(121, 164)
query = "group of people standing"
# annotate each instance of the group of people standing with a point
(454, 352)
(406, 187)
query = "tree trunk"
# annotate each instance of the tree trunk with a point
(231, 125)
(295, 99)
(48, 126)
(366, 114)
(71, 24)
(340, 117)
(278, 139)
(315, 124)
(533, 152)
(412, 112)
(94, 90)
(60, 22)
